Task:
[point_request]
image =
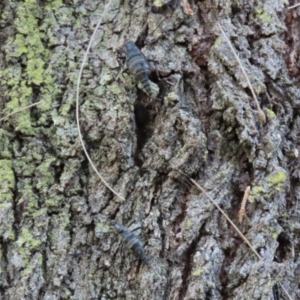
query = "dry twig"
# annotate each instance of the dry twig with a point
(77, 102)
(242, 210)
(235, 227)
(21, 109)
(225, 215)
(293, 6)
(262, 115)
(187, 8)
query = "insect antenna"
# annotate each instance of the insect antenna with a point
(185, 179)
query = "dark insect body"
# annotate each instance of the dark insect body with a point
(138, 65)
(132, 242)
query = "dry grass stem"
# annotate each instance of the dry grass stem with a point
(286, 292)
(291, 7)
(77, 102)
(235, 227)
(187, 8)
(227, 218)
(242, 210)
(262, 115)
(21, 109)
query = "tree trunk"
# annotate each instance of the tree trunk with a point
(57, 237)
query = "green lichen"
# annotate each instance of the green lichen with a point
(106, 76)
(128, 79)
(62, 227)
(198, 272)
(54, 201)
(65, 109)
(99, 91)
(264, 16)
(24, 253)
(102, 227)
(28, 270)
(7, 177)
(4, 144)
(20, 44)
(257, 192)
(17, 93)
(277, 179)
(28, 198)
(237, 3)
(27, 45)
(27, 240)
(4, 15)
(24, 166)
(64, 220)
(270, 114)
(224, 173)
(35, 71)
(158, 3)
(45, 176)
(189, 224)
(39, 213)
(54, 4)
(26, 22)
(24, 124)
(114, 88)
(218, 42)
(258, 89)
(6, 227)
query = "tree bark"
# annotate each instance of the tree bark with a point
(57, 238)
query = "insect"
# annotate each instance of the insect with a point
(138, 65)
(132, 242)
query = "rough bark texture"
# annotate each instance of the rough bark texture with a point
(56, 238)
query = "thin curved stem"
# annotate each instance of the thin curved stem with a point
(77, 102)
